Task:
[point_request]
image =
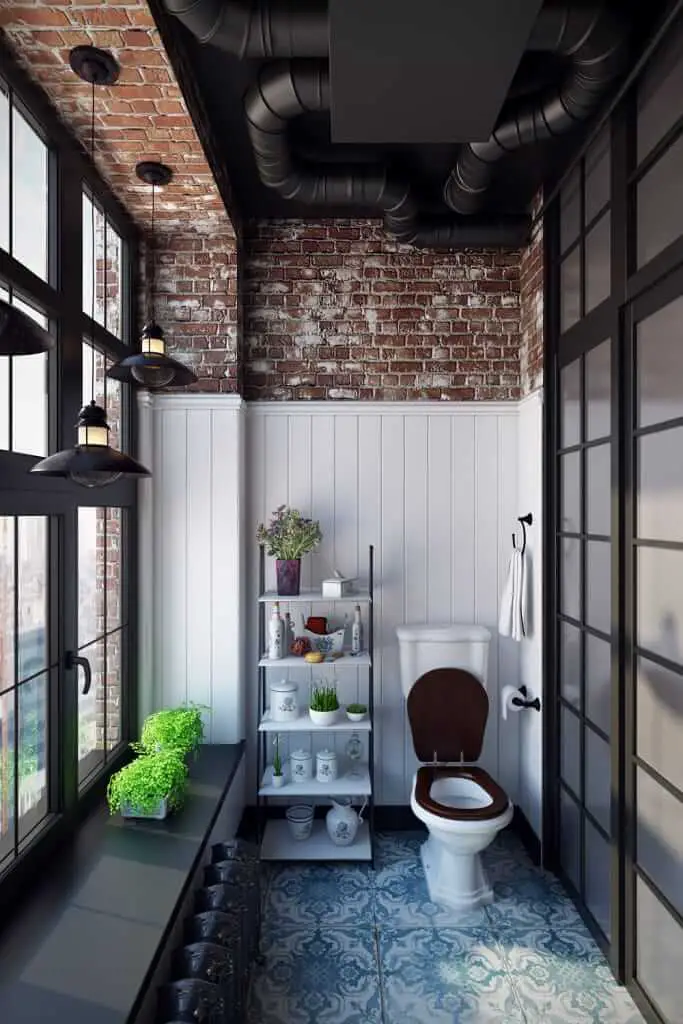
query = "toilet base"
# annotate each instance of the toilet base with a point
(455, 880)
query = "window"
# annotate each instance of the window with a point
(65, 551)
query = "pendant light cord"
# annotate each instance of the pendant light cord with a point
(94, 255)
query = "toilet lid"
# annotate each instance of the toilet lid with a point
(447, 710)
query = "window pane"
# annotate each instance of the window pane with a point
(570, 210)
(29, 196)
(598, 778)
(571, 751)
(660, 712)
(570, 402)
(598, 391)
(598, 585)
(570, 290)
(659, 362)
(660, 485)
(571, 492)
(660, 602)
(113, 694)
(599, 490)
(113, 409)
(113, 517)
(598, 264)
(659, 96)
(91, 588)
(660, 837)
(659, 952)
(93, 223)
(570, 838)
(598, 863)
(7, 583)
(570, 664)
(91, 713)
(5, 364)
(570, 575)
(32, 753)
(6, 775)
(4, 170)
(599, 682)
(659, 199)
(29, 397)
(114, 269)
(33, 595)
(597, 175)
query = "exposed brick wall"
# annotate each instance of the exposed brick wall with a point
(531, 281)
(336, 310)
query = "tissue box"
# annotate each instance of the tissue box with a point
(337, 587)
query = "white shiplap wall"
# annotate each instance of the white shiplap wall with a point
(435, 488)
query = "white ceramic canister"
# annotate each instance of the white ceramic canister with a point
(301, 765)
(283, 703)
(325, 765)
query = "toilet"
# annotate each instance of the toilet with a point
(443, 676)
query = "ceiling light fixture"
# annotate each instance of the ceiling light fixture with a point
(19, 334)
(151, 367)
(91, 462)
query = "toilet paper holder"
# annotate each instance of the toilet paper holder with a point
(525, 703)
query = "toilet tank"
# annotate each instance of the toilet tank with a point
(456, 645)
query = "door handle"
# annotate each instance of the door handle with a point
(73, 661)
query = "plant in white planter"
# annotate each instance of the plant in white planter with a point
(148, 787)
(356, 712)
(278, 777)
(180, 729)
(324, 704)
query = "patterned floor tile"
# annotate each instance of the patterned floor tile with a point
(402, 901)
(531, 899)
(397, 847)
(320, 894)
(317, 976)
(561, 977)
(449, 976)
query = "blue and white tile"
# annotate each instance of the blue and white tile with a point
(532, 900)
(396, 847)
(561, 977)
(506, 859)
(317, 976)
(320, 894)
(402, 900)
(449, 976)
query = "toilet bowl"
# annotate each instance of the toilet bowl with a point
(443, 672)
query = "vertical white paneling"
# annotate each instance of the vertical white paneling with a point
(439, 535)
(416, 534)
(200, 558)
(323, 453)
(370, 523)
(463, 518)
(346, 525)
(299, 492)
(486, 537)
(171, 480)
(276, 482)
(509, 508)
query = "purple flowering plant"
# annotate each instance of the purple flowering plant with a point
(289, 535)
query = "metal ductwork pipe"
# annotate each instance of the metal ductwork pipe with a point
(252, 28)
(594, 40)
(287, 90)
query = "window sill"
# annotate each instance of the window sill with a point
(85, 947)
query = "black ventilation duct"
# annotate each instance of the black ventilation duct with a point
(252, 28)
(286, 90)
(593, 39)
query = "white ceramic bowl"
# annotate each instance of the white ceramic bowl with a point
(356, 716)
(300, 820)
(323, 717)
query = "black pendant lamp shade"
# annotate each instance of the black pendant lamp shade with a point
(91, 463)
(19, 334)
(151, 367)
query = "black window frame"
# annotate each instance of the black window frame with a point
(71, 172)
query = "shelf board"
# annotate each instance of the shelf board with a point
(309, 596)
(304, 724)
(362, 660)
(278, 844)
(343, 786)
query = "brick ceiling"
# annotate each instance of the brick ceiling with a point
(142, 117)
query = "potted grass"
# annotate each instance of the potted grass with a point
(288, 536)
(324, 704)
(148, 787)
(180, 729)
(278, 775)
(356, 712)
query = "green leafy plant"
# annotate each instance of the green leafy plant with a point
(146, 781)
(179, 729)
(289, 535)
(277, 760)
(324, 698)
(356, 709)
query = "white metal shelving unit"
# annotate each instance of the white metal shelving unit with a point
(355, 781)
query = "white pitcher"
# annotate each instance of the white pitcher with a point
(343, 822)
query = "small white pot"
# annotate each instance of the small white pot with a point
(325, 766)
(323, 717)
(300, 820)
(301, 765)
(283, 703)
(356, 716)
(278, 780)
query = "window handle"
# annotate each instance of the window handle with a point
(72, 661)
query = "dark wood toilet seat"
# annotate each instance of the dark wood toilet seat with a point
(428, 774)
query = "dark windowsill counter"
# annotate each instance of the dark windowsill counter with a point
(84, 948)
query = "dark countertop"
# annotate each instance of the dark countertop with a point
(81, 949)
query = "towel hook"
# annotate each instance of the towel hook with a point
(526, 520)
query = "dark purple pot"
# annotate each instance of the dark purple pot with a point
(288, 571)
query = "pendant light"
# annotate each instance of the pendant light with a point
(151, 367)
(19, 334)
(91, 462)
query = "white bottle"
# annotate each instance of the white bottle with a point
(356, 632)
(276, 634)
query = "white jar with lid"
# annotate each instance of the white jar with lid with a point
(283, 701)
(301, 765)
(326, 766)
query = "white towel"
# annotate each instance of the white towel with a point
(513, 605)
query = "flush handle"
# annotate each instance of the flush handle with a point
(74, 661)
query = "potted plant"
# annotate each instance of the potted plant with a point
(278, 777)
(148, 787)
(324, 704)
(356, 712)
(288, 536)
(178, 728)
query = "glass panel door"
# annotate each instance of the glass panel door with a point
(584, 628)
